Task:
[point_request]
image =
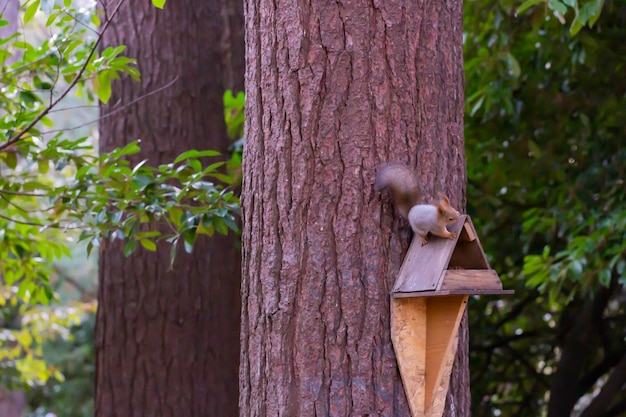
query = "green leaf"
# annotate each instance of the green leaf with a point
(142, 181)
(205, 229)
(29, 98)
(10, 159)
(158, 3)
(230, 222)
(576, 269)
(557, 6)
(195, 164)
(51, 19)
(46, 121)
(138, 166)
(189, 237)
(477, 105)
(214, 167)
(577, 25)
(148, 244)
(102, 86)
(514, 66)
(43, 166)
(534, 149)
(130, 247)
(527, 5)
(175, 215)
(226, 179)
(31, 11)
(195, 154)
(220, 226)
(596, 11)
(174, 243)
(604, 276)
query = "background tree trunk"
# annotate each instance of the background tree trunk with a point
(12, 403)
(167, 341)
(9, 9)
(333, 90)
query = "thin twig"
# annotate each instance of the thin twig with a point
(46, 226)
(23, 194)
(9, 202)
(86, 106)
(66, 13)
(9, 219)
(58, 71)
(111, 113)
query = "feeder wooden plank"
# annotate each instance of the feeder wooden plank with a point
(468, 232)
(442, 333)
(470, 279)
(451, 292)
(408, 334)
(422, 265)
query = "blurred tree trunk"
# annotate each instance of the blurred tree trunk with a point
(333, 90)
(10, 10)
(12, 403)
(167, 341)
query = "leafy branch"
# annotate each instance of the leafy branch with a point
(54, 185)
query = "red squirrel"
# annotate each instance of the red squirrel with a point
(423, 218)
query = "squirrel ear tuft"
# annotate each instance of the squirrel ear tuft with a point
(443, 198)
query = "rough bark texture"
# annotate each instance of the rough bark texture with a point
(233, 47)
(167, 341)
(334, 90)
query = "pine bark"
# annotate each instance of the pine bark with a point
(167, 340)
(333, 90)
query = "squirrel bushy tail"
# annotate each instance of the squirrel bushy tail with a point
(402, 183)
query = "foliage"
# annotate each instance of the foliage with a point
(585, 13)
(234, 115)
(51, 183)
(158, 3)
(74, 357)
(25, 328)
(234, 118)
(55, 189)
(546, 187)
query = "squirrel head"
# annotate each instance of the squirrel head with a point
(446, 212)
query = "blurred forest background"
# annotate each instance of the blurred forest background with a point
(545, 132)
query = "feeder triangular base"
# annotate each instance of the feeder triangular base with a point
(425, 333)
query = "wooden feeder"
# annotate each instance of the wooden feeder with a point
(427, 304)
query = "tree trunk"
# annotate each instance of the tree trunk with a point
(167, 341)
(12, 403)
(333, 90)
(10, 10)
